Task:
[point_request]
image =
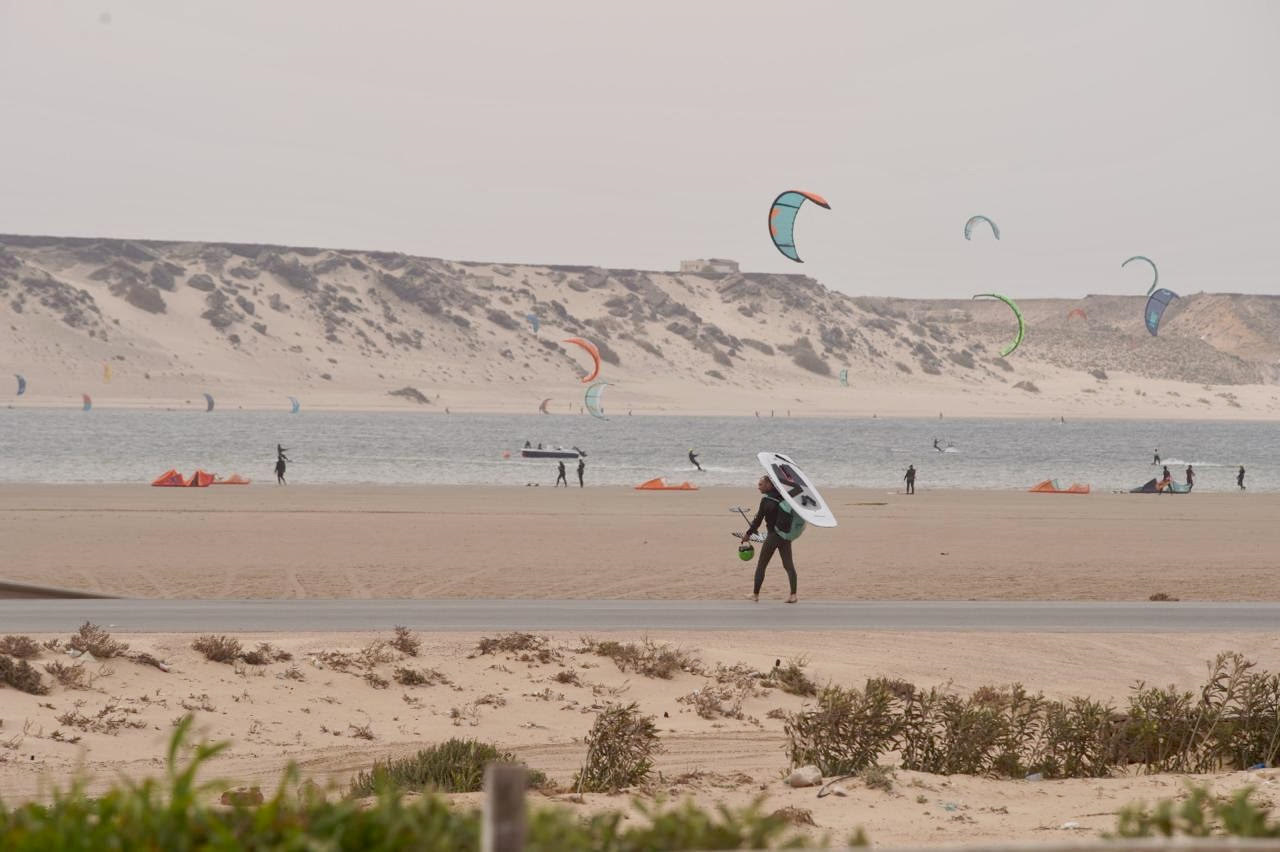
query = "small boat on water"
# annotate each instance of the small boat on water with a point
(551, 453)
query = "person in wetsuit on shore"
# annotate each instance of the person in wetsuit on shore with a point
(281, 458)
(1240, 478)
(560, 477)
(771, 515)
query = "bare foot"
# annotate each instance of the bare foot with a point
(792, 599)
(755, 598)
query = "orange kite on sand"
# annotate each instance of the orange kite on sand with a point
(1050, 486)
(660, 484)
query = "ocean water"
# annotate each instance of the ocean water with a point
(105, 445)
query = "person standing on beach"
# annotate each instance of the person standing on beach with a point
(910, 478)
(281, 458)
(1191, 477)
(693, 457)
(1166, 479)
(1240, 478)
(772, 516)
(582, 465)
(560, 477)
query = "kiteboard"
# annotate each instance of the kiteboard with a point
(797, 489)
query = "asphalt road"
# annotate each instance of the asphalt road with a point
(294, 616)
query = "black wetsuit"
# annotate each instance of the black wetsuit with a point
(560, 477)
(1240, 477)
(281, 458)
(910, 478)
(769, 511)
(581, 467)
(693, 457)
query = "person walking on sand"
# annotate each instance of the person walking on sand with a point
(910, 478)
(560, 477)
(1191, 478)
(1240, 478)
(773, 517)
(582, 465)
(1166, 479)
(693, 457)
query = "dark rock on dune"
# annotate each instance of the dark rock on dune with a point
(201, 281)
(412, 394)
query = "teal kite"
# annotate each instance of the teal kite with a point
(592, 399)
(844, 378)
(782, 219)
(1155, 272)
(1156, 306)
(295, 405)
(1008, 350)
(973, 220)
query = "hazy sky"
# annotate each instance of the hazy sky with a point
(634, 134)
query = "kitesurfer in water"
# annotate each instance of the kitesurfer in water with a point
(582, 466)
(560, 477)
(528, 446)
(935, 445)
(770, 509)
(910, 478)
(693, 457)
(1240, 478)
(1156, 460)
(1191, 477)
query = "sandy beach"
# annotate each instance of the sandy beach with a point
(470, 542)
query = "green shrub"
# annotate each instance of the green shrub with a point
(620, 749)
(846, 732)
(453, 766)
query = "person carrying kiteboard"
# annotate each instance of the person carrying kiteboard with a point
(783, 526)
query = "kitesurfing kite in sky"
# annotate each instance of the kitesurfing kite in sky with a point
(782, 219)
(592, 351)
(542, 407)
(1077, 312)
(86, 401)
(973, 220)
(844, 378)
(293, 401)
(592, 399)
(208, 401)
(534, 322)
(1156, 306)
(1155, 273)
(1017, 313)
(22, 384)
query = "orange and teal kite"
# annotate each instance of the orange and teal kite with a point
(782, 219)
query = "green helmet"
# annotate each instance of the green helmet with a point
(746, 552)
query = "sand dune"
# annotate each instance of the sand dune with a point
(253, 324)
